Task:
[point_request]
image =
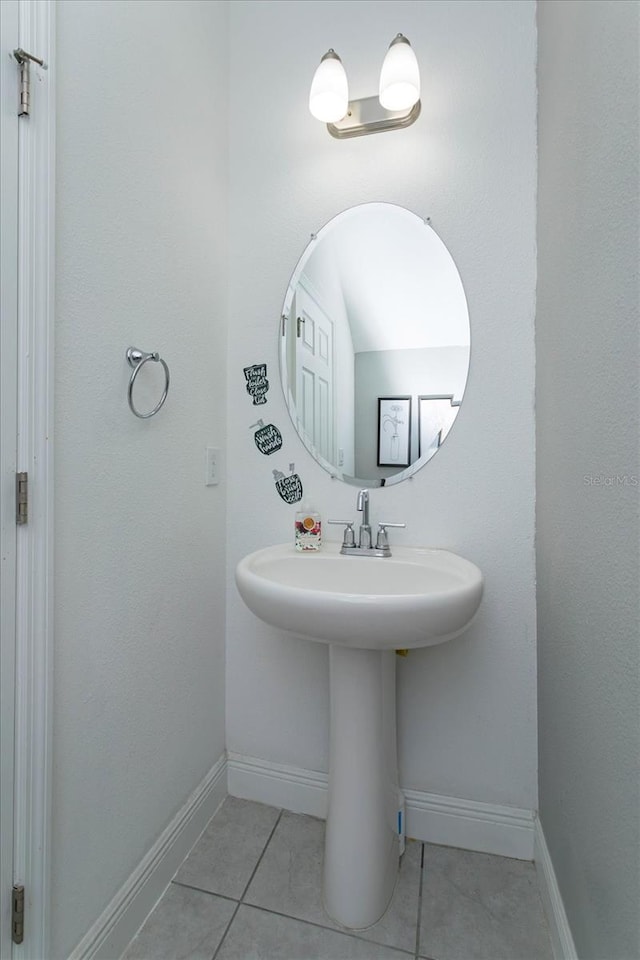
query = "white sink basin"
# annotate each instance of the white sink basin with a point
(415, 598)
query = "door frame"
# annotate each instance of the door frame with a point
(34, 540)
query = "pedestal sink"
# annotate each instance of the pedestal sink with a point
(365, 608)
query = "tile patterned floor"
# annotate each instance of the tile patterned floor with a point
(251, 890)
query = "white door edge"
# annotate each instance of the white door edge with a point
(34, 593)
(8, 441)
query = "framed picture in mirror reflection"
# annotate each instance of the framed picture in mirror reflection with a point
(394, 431)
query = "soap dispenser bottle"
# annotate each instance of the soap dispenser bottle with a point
(308, 528)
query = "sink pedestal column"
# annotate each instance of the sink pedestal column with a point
(362, 842)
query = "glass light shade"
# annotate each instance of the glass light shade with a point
(329, 95)
(399, 77)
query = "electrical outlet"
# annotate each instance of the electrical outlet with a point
(212, 466)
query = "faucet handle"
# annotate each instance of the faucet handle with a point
(383, 540)
(349, 539)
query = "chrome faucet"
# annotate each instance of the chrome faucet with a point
(362, 505)
(365, 547)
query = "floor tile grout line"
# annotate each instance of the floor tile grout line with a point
(211, 893)
(253, 873)
(320, 926)
(264, 850)
(419, 921)
(226, 931)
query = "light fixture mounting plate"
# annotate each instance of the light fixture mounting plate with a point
(369, 116)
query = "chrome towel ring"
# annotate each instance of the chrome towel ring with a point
(137, 359)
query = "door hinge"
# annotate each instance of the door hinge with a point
(24, 59)
(17, 913)
(22, 497)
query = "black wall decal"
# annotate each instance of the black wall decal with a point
(289, 488)
(268, 439)
(257, 383)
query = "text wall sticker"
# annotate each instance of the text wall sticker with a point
(268, 438)
(289, 488)
(257, 383)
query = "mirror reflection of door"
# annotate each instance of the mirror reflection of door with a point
(314, 374)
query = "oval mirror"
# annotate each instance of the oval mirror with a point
(374, 344)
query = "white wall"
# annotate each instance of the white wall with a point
(141, 217)
(588, 436)
(467, 710)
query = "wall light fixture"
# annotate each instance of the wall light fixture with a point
(396, 106)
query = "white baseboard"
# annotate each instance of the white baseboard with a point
(122, 918)
(295, 789)
(488, 828)
(559, 929)
(470, 824)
